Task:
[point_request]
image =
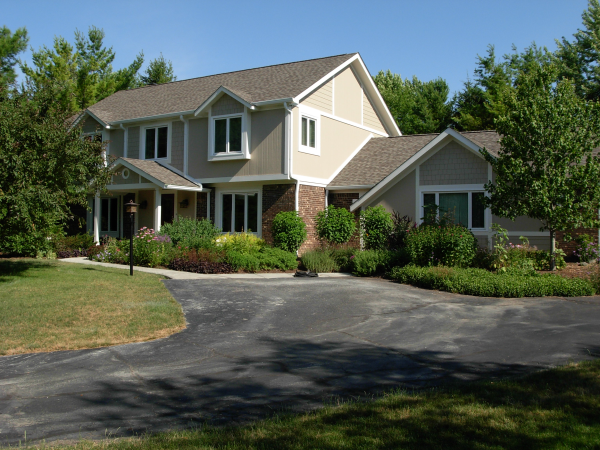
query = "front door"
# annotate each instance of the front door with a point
(167, 210)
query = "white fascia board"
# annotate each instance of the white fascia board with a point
(371, 84)
(208, 102)
(83, 115)
(338, 69)
(396, 173)
(179, 172)
(139, 172)
(157, 117)
(464, 141)
(184, 188)
(101, 122)
(129, 187)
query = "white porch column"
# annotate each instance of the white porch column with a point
(97, 219)
(157, 208)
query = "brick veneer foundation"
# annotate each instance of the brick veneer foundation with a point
(275, 198)
(311, 200)
(570, 246)
(344, 200)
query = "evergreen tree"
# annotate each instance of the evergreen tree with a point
(417, 106)
(80, 75)
(580, 60)
(159, 71)
(10, 46)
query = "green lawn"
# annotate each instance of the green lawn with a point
(51, 305)
(555, 409)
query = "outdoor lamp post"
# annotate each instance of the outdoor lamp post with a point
(131, 208)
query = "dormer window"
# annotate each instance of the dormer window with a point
(228, 134)
(157, 142)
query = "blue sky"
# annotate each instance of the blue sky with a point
(425, 38)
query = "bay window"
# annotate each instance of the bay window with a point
(239, 212)
(464, 208)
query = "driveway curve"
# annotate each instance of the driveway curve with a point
(253, 347)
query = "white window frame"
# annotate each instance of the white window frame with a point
(246, 192)
(246, 125)
(143, 142)
(465, 189)
(310, 114)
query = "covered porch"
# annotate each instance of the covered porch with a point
(162, 194)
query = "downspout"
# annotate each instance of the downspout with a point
(125, 141)
(297, 195)
(186, 126)
(288, 140)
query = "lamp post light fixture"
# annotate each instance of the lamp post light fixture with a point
(131, 208)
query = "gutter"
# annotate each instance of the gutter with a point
(159, 116)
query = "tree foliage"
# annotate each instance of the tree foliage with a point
(417, 106)
(480, 102)
(46, 167)
(335, 225)
(81, 75)
(546, 168)
(159, 71)
(11, 44)
(579, 60)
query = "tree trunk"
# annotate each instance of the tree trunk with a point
(552, 248)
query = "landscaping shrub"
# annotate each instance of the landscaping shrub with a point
(343, 258)
(376, 227)
(112, 251)
(319, 261)
(448, 245)
(240, 242)
(586, 251)
(484, 259)
(200, 261)
(265, 259)
(370, 262)
(335, 225)
(289, 231)
(190, 233)
(79, 242)
(400, 229)
(482, 283)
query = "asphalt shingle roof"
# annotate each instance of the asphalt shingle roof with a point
(253, 85)
(159, 172)
(381, 156)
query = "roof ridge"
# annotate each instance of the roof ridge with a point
(234, 71)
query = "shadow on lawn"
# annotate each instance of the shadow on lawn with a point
(18, 267)
(300, 375)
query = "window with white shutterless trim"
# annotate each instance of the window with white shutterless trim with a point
(155, 141)
(227, 134)
(239, 212)
(309, 133)
(465, 208)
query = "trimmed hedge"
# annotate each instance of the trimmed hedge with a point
(265, 259)
(195, 266)
(482, 283)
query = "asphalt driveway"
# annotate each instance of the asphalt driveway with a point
(253, 347)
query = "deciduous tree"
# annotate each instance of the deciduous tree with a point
(547, 168)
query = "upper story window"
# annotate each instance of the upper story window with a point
(157, 140)
(309, 131)
(228, 135)
(93, 137)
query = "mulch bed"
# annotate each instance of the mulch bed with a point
(574, 270)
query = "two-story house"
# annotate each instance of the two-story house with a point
(242, 146)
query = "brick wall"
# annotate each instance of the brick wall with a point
(275, 198)
(202, 206)
(311, 200)
(344, 200)
(569, 246)
(453, 165)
